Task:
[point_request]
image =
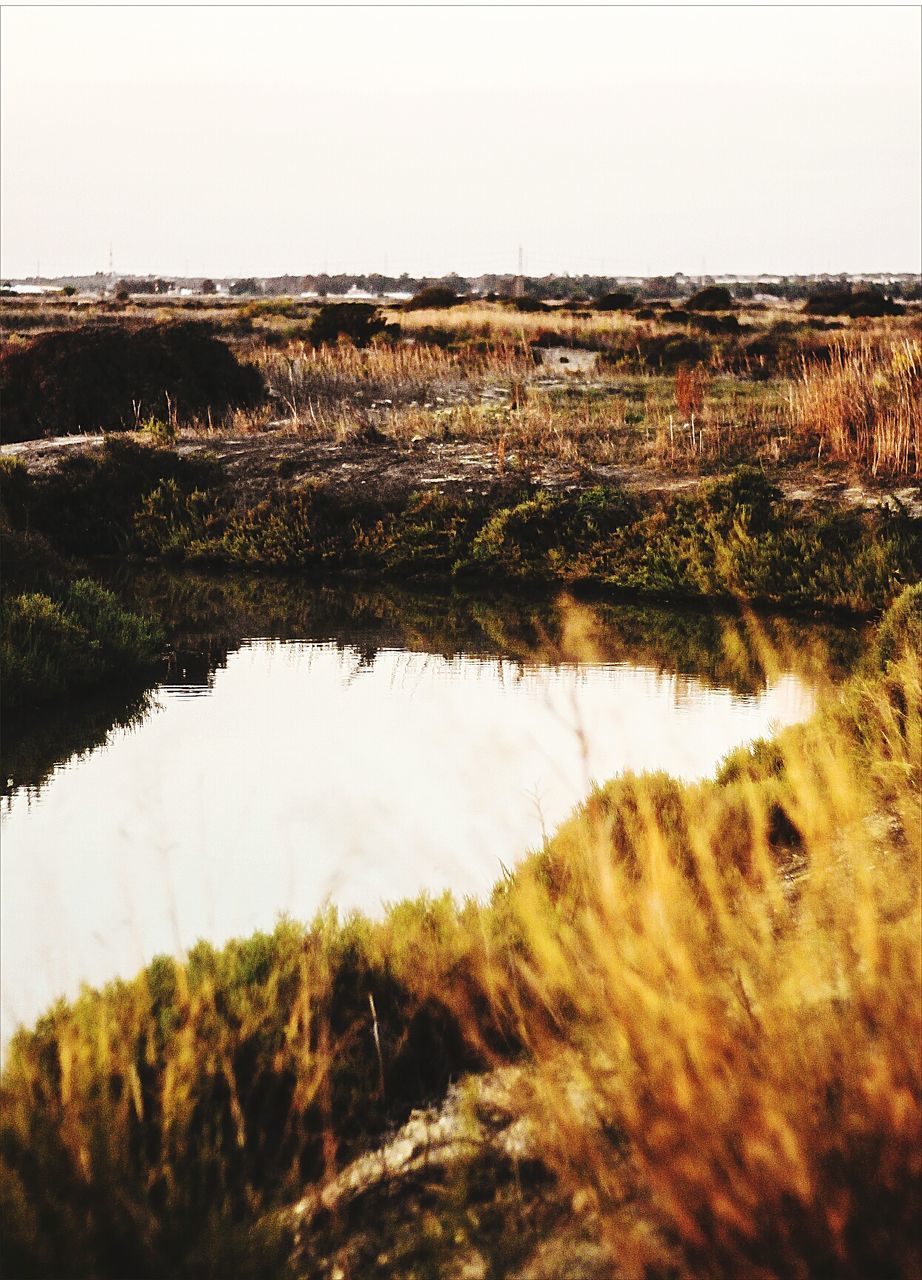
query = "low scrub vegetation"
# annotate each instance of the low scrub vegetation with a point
(858, 303)
(714, 297)
(434, 297)
(730, 538)
(358, 322)
(712, 993)
(615, 302)
(78, 638)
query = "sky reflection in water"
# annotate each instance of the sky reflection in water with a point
(309, 774)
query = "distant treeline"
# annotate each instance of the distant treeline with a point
(550, 288)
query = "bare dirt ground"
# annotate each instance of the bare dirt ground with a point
(272, 459)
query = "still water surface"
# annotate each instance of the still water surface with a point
(301, 772)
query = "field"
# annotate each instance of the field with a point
(767, 455)
(681, 1038)
(670, 388)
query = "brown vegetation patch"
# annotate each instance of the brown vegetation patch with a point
(856, 303)
(111, 379)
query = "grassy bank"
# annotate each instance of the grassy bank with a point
(712, 989)
(729, 537)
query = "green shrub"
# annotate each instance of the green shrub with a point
(550, 534)
(170, 520)
(87, 505)
(428, 533)
(53, 646)
(43, 649)
(901, 627)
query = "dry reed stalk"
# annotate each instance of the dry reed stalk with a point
(865, 405)
(725, 1055)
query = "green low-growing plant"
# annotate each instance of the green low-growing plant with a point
(162, 431)
(171, 520)
(548, 534)
(733, 537)
(50, 646)
(737, 538)
(86, 506)
(901, 627)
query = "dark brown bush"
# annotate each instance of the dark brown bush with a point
(113, 378)
(528, 305)
(435, 296)
(848, 302)
(357, 321)
(615, 302)
(715, 324)
(715, 297)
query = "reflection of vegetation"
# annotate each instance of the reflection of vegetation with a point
(206, 617)
(34, 742)
(726, 649)
(713, 991)
(212, 614)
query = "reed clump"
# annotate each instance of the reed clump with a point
(724, 1025)
(865, 405)
(312, 384)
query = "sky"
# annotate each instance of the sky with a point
(244, 141)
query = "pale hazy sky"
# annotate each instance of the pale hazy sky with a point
(259, 141)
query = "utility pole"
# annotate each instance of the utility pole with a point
(518, 289)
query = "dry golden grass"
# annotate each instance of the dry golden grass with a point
(725, 1042)
(308, 382)
(865, 405)
(500, 323)
(766, 392)
(421, 392)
